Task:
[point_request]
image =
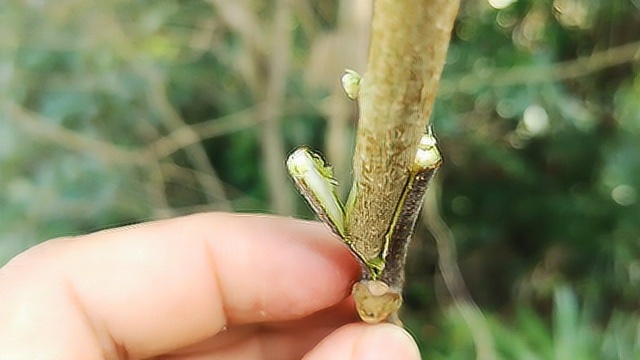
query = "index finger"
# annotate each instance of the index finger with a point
(171, 283)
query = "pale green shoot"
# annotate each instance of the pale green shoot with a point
(314, 180)
(351, 83)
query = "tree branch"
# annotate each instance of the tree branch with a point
(409, 42)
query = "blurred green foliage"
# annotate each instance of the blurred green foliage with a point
(117, 112)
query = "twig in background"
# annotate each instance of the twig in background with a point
(161, 207)
(186, 175)
(157, 97)
(540, 74)
(224, 125)
(448, 265)
(280, 196)
(42, 128)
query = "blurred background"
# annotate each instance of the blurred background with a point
(116, 112)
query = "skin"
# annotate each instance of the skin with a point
(207, 286)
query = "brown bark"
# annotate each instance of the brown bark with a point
(409, 41)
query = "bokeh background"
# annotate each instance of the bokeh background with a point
(116, 112)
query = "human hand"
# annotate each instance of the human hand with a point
(208, 286)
